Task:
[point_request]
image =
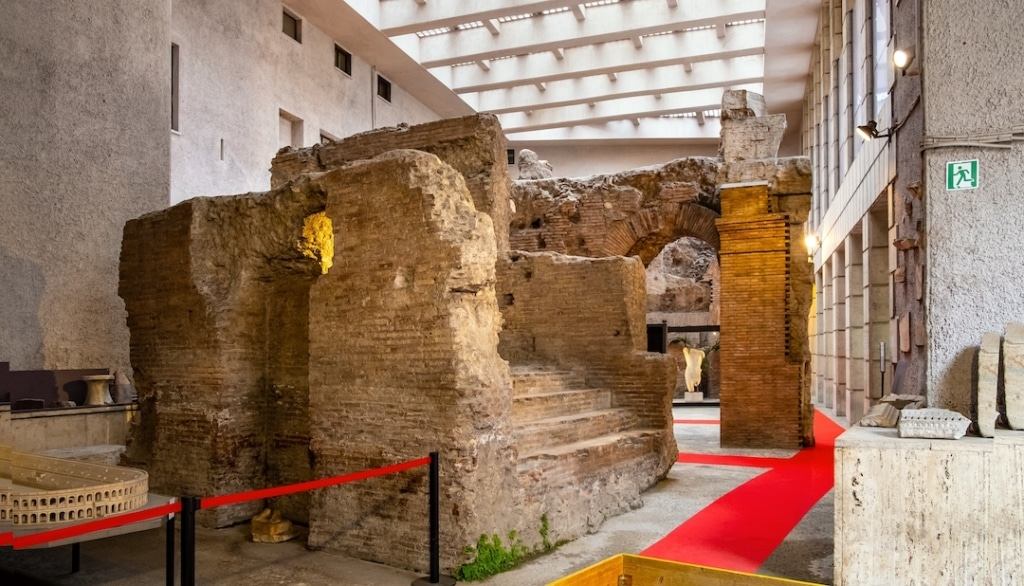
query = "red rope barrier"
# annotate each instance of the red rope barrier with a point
(97, 525)
(265, 493)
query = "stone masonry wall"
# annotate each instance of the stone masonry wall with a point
(216, 292)
(473, 145)
(404, 360)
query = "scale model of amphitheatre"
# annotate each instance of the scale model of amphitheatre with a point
(46, 491)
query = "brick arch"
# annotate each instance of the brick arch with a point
(649, 230)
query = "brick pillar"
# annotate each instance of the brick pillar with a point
(828, 338)
(764, 304)
(876, 302)
(854, 329)
(839, 331)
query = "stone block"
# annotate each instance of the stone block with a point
(1013, 374)
(752, 138)
(739, 104)
(988, 384)
(696, 397)
(854, 405)
(932, 423)
(881, 415)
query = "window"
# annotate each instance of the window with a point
(290, 130)
(383, 88)
(291, 25)
(343, 60)
(510, 154)
(175, 94)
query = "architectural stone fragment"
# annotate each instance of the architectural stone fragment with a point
(988, 384)
(270, 527)
(739, 104)
(881, 415)
(98, 389)
(532, 167)
(933, 423)
(902, 401)
(1013, 374)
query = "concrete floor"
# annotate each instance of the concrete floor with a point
(226, 557)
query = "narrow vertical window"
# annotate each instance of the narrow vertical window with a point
(510, 154)
(383, 88)
(175, 93)
(343, 60)
(291, 25)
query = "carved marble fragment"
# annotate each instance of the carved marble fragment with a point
(932, 423)
(881, 415)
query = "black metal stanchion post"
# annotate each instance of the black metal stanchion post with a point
(434, 482)
(76, 557)
(169, 549)
(189, 506)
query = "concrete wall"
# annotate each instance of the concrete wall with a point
(84, 112)
(51, 429)
(238, 71)
(584, 160)
(974, 245)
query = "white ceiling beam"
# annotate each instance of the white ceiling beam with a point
(658, 80)
(579, 11)
(484, 64)
(610, 22)
(673, 3)
(400, 18)
(638, 42)
(618, 56)
(700, 118)
(559, 54)
(651, 130)
(624, 108)
(720, 28)
(492, 26)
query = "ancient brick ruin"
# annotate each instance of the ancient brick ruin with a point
(764, 389)
(395, 294)
(274, 361)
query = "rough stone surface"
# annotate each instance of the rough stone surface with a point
(904, 401)
(988, 384)
(680, 278)
(1013, 374)
(932, 423)
(532, 167)
(752, 138)
(740, 104)
(473, 145)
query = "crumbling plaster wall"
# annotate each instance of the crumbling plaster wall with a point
(84, 149)
(234, 49)
(974, 245)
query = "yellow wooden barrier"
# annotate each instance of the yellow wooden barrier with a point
(634, 570)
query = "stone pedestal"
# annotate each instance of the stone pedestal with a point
(98, 389)
(1013, 374)
(696, 397)
(924, 511)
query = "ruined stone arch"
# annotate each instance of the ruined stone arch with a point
(648, 231)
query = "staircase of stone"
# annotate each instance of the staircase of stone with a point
(565, 429)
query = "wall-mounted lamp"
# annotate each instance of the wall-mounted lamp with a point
(811, 242)
(869, 131)
(902, 58)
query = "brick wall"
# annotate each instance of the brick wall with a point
(588, 313)
(473, 145)
(403, 360)
(765, 298)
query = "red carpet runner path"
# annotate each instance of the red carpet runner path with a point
(743, 527)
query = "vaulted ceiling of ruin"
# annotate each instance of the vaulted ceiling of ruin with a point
(649, 70)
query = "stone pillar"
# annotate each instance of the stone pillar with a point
(818, 362)
(829, 341)
(839, 331)
(765, 300)
(876, 302)
(854, 329)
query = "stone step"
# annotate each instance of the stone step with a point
(551, 432)
(534, 406)
(528, 380)
(549, 467)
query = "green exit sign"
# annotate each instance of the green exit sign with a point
(962, 175)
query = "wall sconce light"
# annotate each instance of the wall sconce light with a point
(811, 242)
(869, 131)
(902, 58)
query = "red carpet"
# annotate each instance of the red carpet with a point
(741, 529)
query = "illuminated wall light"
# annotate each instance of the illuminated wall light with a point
(902, 58)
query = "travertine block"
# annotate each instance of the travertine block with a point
(738, 104)
(988, 383)
(881, 415)
(1013, 374)
(752, 138)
